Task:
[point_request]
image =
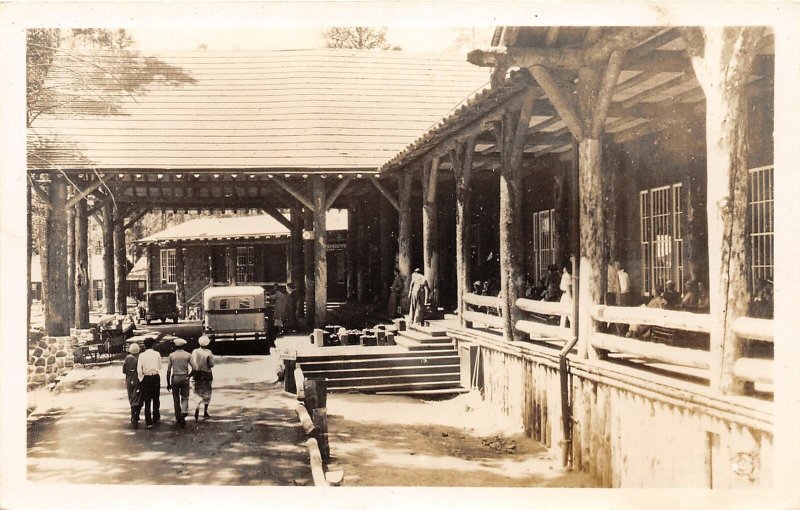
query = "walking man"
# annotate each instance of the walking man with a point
(178, 380)
(202, 361)
(129, 368)
(148, 369)
(417, 295)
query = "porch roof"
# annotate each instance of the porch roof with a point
(254, 228)
(286, 111)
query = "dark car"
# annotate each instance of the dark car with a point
(164, 344)
(160, 304)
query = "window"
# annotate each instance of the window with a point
(98, 290)
(544, 233)
(245, 264)
(661, 235)
(245, 302)
(762, 224)
(224, 304)
(168, 266)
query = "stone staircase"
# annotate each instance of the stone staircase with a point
(424, 362)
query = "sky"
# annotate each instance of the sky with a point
(410, 39)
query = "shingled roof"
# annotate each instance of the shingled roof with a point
(272, 110)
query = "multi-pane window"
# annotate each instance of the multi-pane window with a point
(168, 266)
(544, 233)
(245, 264)
(661, 215)
(98, 290)
(762, 224)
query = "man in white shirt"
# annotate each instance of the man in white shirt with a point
(148, 369)
(624, 285)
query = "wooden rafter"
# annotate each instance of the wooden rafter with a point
(600, 110)
(386, 194)
(81, 194)
(276, 214)
(136, 217)
(334, 194)
(295, 193)
(40, 192)
(566, 109)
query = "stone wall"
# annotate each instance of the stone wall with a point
(49, 359)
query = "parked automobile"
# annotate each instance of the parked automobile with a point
(160, 304)
(164, 344)
(237, 312)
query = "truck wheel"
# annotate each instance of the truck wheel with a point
(148, 321)
(175, 320)
(163, 320)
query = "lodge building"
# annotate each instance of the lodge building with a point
(652, 146)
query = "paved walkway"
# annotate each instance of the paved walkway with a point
(252, 438)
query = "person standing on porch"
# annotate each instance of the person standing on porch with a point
(202, 361)
(178, 380)
(147, 368)
(294, 303)
(132, 383)
(624, 297)
(417, 295)
(566, 291)
(395, 291)
(612, 292)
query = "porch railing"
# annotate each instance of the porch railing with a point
(482, 310)
(536, 324)
(754, 370)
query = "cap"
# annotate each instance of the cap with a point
(133, 348)
(179, 342)
(204, 341)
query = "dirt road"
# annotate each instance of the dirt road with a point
(251, 439)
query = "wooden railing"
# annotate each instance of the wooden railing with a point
(539, 330)
(676, 320)
(471, 316)
(755, 370)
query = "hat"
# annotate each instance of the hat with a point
(133, 348)
(204, 341)
(179, 342)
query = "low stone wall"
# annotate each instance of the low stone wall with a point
(49, 358)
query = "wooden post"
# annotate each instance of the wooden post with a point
(55, 277)
(722, 58)
(108, 258)
(230, 262)
(296, 250)
(82, 283)
(180, 280)
(512, 254)
(308, 255)
(352, 253)
(385, 248)
(120, 265)
(404, 233)
(430, 227)
(363, 252)
(148, 279)
(320, 254)
(319, 417)
(71, 264)
(461, 160)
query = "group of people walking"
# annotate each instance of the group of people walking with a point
(143, 380)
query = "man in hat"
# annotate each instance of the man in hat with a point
(178, 380)
(202, 360)
(132, 382)
(148, 368)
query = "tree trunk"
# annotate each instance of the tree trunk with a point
(430, 228)
(180, 281)
(363, 253)
(82, 276)
(404, 234)
(71, 264)
(296, 251)
(462, 168)
(55, 277)
(108, 258)
(352, 253)
(320, 253)
(308, 251)
(385, 248)
(120, 266)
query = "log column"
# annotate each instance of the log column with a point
(430, 227)
(296, 250)
(404, 233)
(385, 249)
(722, 59)
(512, 255)
(461, 159)
(308, 251)
(352, 253)
(71, 263)
(230, 262)
(108, 258)
(320, 253)
(120, 264)
(55, 277)
(362, 247)
(148, 279)
(82, 283)
(180, 280)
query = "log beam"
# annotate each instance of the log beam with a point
(320, 254)
(83, 194)
(722, 58)
(82, 282)
(512, 280)
(386, 194)
(43, 196)
(55, 277)
(404, 233)
(277, 215)
(136, 217)
(430, 227)
(563, 105)
(302, 198)
(108, 258)
(334, 194)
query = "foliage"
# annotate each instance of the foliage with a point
(357, 38)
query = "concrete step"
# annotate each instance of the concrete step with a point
(415, 346)
(368, 373)
(382, 380)
(435, 392)
(423, 338)
(435, 350)
(400, 387)
(428, 330)
(417, 361)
